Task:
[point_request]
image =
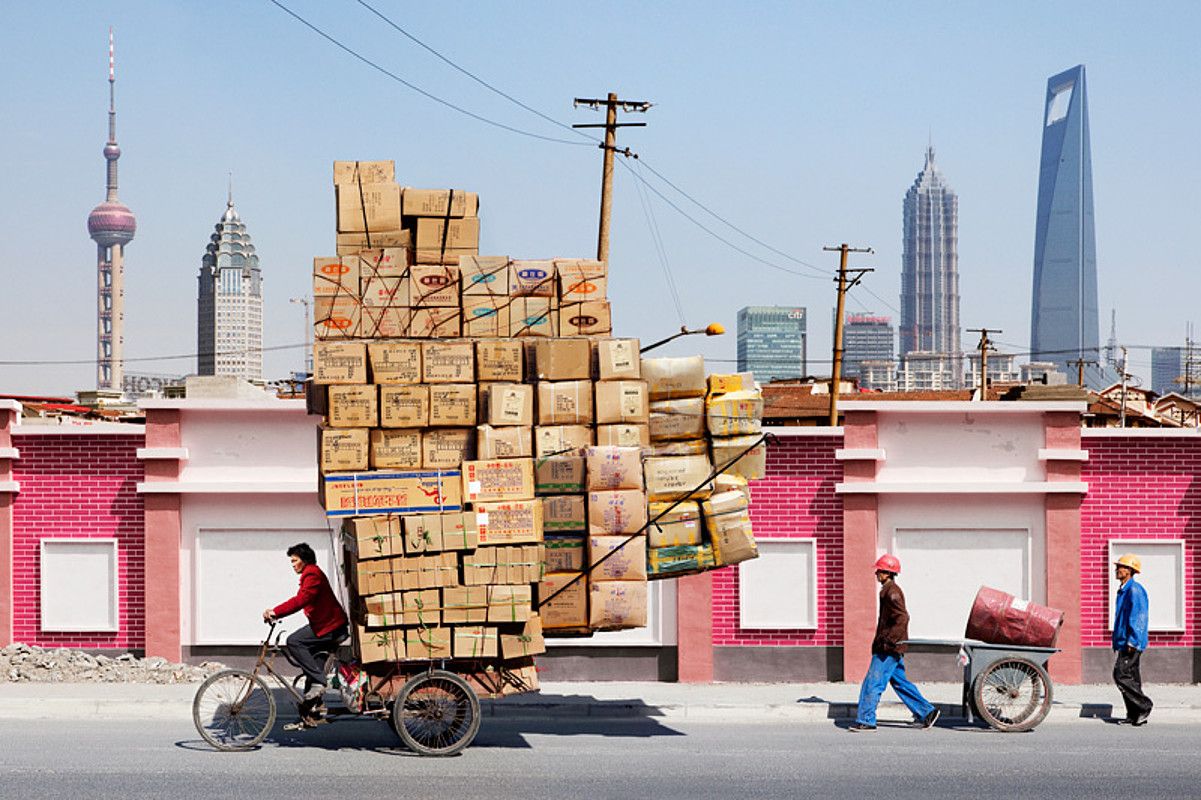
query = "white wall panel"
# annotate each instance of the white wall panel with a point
(79, 585)
(778, 590)
(1162, 576)
(963, 447)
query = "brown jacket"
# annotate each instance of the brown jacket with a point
(893, 626)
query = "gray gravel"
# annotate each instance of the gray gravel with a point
(23, 663)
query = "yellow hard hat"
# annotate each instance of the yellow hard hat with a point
(1130, 560)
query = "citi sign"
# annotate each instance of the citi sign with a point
(796, 314)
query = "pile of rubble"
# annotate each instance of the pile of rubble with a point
(22, 663)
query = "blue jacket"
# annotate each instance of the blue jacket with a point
(1130, 617)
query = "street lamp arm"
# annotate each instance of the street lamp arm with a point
(712, 329)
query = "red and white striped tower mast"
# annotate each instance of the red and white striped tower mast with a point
(112, 226)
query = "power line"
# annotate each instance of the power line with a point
(660, 251)
(80, 362)
(383, 70)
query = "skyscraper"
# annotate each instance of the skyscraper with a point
(1063, 316)
(930, 264)
(1175, 369)
(230, 304)
(111, 225)
(772, 342)
(866, 337)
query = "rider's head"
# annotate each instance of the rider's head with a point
(302, 555)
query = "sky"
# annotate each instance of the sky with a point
(802, 124)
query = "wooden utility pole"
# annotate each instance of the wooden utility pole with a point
(985, 344)
(843, 286)
(609, 146)
(1122, 414)
(1080, 364)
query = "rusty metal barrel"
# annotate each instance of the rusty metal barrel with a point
(1000, 618)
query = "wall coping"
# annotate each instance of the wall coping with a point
(962, 487)
(10, 405)
(94, 429)
(165, 453)
(859, 454)
(223, 404)
(1140, 433)
(965, 406)
(10, 452)
(228, 487)
(1057, 454)
(803, 430)
(10, 486)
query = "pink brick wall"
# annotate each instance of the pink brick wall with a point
(795, 500)
(78, 486)
(1147, 488)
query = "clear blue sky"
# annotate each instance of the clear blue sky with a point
(802, 123)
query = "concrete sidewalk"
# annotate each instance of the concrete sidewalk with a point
(730, 702)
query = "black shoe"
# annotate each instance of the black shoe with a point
(931, 718)
(1141, 720)
(1123, 721)
(859, 727)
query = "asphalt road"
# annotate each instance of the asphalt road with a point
(597, 759)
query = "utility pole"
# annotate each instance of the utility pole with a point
(1122, 414)
(1079, 364)
(985, 344)
(308, 331)
(609, 146)
(843, 287)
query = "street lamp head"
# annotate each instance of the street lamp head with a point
(715, 329)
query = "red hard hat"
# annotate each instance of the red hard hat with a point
(888, 563)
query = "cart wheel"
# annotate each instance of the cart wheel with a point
(436, 713)
(1013, 695)
(233, 710)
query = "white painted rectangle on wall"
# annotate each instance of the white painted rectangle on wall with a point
(240, 572)
(79, 585)
(942, 569)
(660, 627)
(1162, 576)
(778, 590)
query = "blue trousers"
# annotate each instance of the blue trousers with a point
(886, 669)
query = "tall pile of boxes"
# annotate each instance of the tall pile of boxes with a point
(494, 455)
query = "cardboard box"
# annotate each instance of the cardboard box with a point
(427, 644)
(459, 531)
(422, 607)
(447, 362)
(751, 466)
(373, 537)
(734, 413)
(569, 606)
(618, 360)
(620, 511)
(623, 435)
(339, 363)
(385, 292)
(395, 362)
(351, 494)
(565, 513)
(508, 442)
(353, 406)
(509, 404)
(433, 287)
(445, 256)
(616, 558)
(727, 482)
(509, 522)
(532, 279)
(498, 480)
(447, 448)
(523, 642)
(404, 405)
(591, 318)
(729, 525)
(555, 440)
(685, 559)
(565, 403)
(581, 279)
(376, 576)
(429, 571)
(342, 449)
(532, 316)
(384, 262)
(559, 474)
(499, 361)
(452, 404)
(439, 203)
(617, 605)
(336, 277)
(512, 603)
(435, 323)
(672, 420)
(364, 172)
(422, 533)
(350, 244)
(614, 468)
(565, 553)
(475, 641)
(336, 317)
(395, 449)
(680, 525)
(678, 478)
(562, 359)
(385, 323)
(674, 378)
(690, 447)
(444, 235)
(485, 315)
(378, 646)
(464, 604)
(622, 401)
(733, 382)
(504, 565)
(363, 207)
(484, 276)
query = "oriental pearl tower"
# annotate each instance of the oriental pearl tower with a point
(112, 226)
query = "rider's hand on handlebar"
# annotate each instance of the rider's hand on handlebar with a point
(269, 615)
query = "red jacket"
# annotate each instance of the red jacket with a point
(317, 599)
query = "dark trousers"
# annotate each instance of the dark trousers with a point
(1130, 683)
(304, 646)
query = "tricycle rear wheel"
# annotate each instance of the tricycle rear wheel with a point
(436, 713)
